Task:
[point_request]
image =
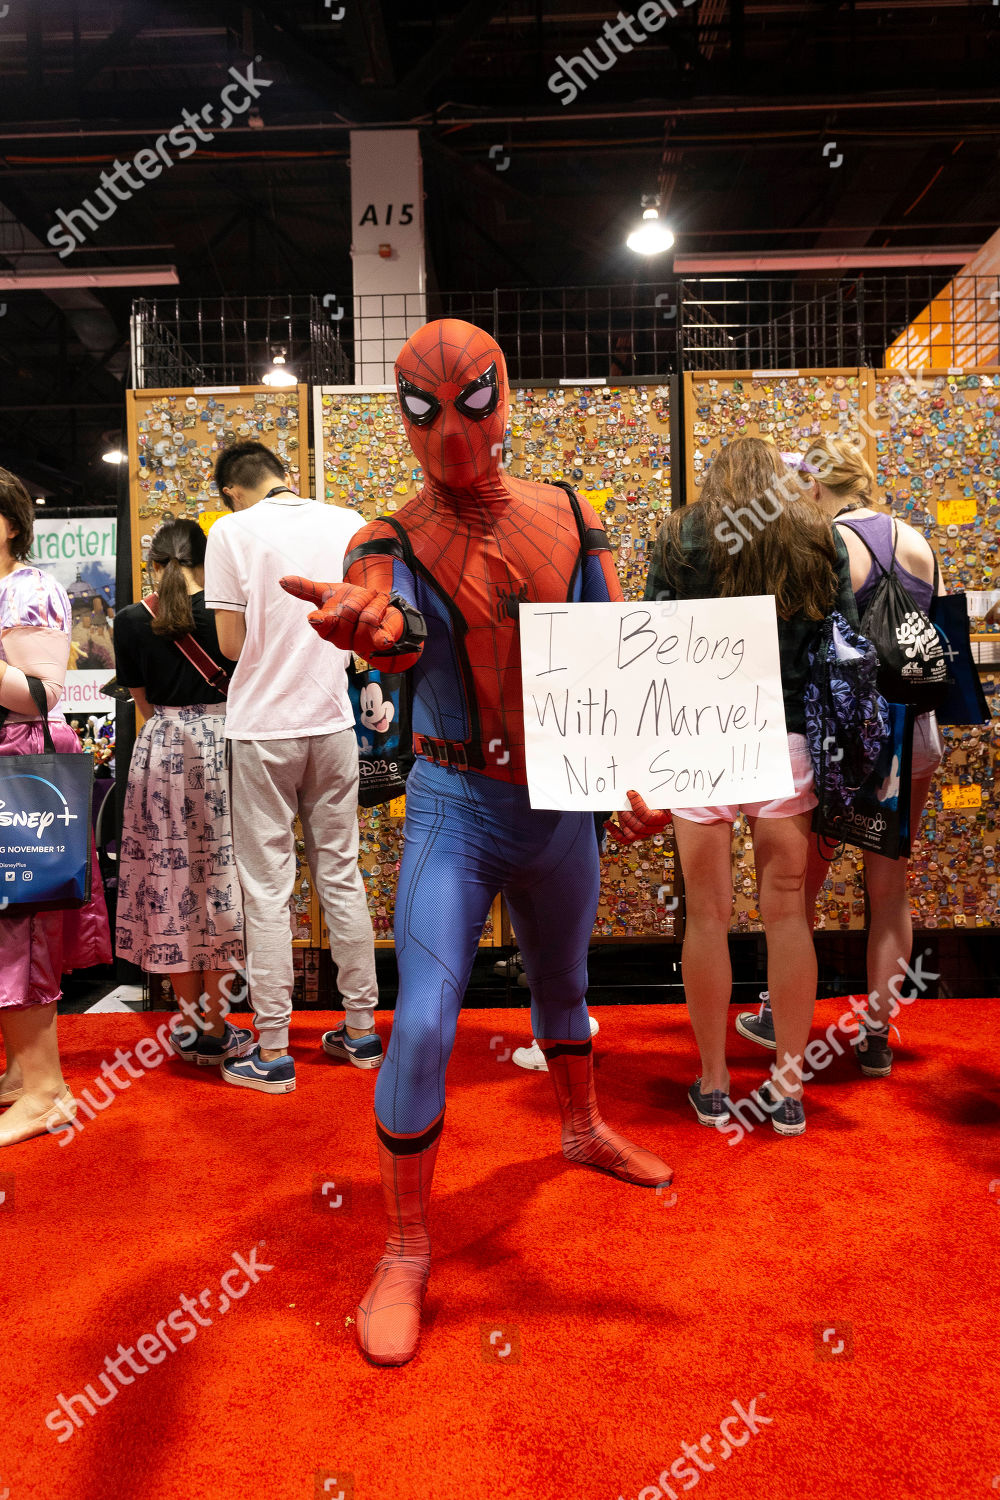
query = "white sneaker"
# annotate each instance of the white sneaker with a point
(533, 1058)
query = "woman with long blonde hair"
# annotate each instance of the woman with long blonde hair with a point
(752, 531)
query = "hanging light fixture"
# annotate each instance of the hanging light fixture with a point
(278, 374)
(650, 237)
(113, 453)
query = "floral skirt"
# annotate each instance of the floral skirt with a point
(180, 906)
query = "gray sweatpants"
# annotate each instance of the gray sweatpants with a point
(316, 777)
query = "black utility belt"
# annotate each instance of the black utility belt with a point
(452, 753)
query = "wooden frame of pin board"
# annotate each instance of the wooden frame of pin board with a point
(610, 439)
(935, 452)
(235, 407)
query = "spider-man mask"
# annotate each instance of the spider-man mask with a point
(452, 384)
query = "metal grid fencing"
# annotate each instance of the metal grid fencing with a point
(645, 330)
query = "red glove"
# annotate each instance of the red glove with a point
(641, 823)
(353, 618)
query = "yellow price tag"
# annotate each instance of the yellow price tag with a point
(956, 512)
(961, 796)
(597, 498)
(397, 807)
(208, 518)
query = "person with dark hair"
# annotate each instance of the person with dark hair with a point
(36, 948)
(789, 552)
(248, 466)
(293, 751)
(180, 908)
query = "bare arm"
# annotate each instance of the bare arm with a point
(32, 651)
(231, 628)
(141, 702)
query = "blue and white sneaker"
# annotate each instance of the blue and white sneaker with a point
(362, 1051)
(252, 1072)
(206, 1051)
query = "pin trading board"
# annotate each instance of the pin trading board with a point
(613, 444)
(937, 465)
(933, 440)
(174, 438)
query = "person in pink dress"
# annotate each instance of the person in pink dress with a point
(36, 948)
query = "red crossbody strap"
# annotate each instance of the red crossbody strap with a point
(216, 676)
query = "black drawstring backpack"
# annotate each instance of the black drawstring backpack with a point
(913, 666)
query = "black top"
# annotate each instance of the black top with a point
(154, 662)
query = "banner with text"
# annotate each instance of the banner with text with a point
(81, 554)
(679, 701)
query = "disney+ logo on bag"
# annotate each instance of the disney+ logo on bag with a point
(38, 819)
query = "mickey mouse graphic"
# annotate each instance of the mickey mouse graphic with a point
(376, 712)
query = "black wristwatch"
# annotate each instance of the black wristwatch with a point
(414, 628)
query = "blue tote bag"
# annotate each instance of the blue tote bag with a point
(966, 703)
(45, 803)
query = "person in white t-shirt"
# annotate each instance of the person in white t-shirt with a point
(291, 732)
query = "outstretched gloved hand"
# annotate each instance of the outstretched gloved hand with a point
(641, 823)
(354, 618)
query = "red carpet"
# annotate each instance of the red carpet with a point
(633, 1322)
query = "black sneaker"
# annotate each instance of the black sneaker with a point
(711, 1109)
(787, 1115)
(758, 1025)
(873, 1051)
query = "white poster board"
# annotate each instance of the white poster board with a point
(679, 701)
(81, 554)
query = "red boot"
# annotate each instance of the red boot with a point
(585, 1137)
(389, 1312)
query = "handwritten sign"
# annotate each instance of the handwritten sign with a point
(957, 795)
(680, 702)
(956, 512)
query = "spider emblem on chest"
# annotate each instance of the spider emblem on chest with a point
(509, 600)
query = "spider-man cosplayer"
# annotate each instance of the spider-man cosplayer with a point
(437, 590)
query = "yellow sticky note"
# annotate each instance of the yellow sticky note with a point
(397, 807)
(597, 498)
(208, 518)
(961, 796)
(956, 512)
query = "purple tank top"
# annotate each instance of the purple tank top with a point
(877, 532)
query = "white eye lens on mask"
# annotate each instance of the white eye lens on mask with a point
(480, 397)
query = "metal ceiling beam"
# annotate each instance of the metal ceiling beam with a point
(822, 260)
(115, 45)
(436, 60)
(86, 314)
(76, 130)
(56, 278)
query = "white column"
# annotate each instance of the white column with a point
(387, 248)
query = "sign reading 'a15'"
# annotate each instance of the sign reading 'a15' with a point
(370, 216)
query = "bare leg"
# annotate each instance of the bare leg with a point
(30, 1039)
(780, 847)
(817, 869)
(10, 1080)
(203, 988)
(705, 852)
(890, 932)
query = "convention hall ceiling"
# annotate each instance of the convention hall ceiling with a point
(763, 126)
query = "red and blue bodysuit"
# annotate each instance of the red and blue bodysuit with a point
(437, 589)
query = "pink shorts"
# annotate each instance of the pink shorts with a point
(804, 799)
